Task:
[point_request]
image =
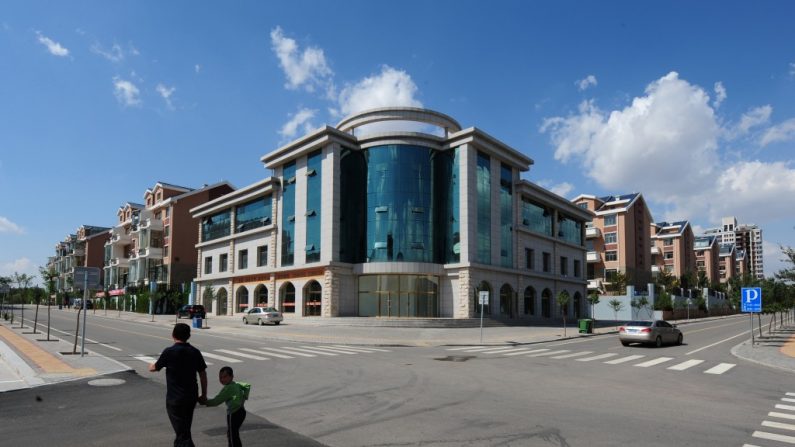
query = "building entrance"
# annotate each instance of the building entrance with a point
(412, 296)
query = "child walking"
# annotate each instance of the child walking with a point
(234, 394)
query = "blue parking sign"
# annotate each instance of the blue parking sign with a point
(751, 299)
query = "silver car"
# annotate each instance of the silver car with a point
(262, 315)
(649, 332)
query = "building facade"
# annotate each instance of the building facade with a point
(727, 263)
(672, 248)
(618, 239)
(84, 248)
(746, 238)
(395, 212)
(707, 251)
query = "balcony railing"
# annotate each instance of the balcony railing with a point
(595, 284)
(150, 252)
(655, 269)
(592, 232)
(655, 250)
(593, 256)
(150, 223)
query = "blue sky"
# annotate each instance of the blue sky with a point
(690, 103)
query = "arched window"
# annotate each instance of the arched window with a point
(312, 296)
(261, 294)
(506, 300)
(546, 303)
(529, 301)
(222, 301)
(288, 298)
(242, 299)
(483, 287)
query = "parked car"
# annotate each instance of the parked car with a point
(649, 332)
(78, 304)
(191, 310)
(262, 315)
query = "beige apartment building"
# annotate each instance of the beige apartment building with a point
(672, 248)
(84, 248)
(727, 262)
(707, 250)
(747, 238)
(154, 242)
(617, 240)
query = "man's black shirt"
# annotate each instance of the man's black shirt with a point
(182, 362)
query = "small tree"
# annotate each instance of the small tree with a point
(619, 282)
(593, 300)
(638, 304)
(208, 296)
(617, 307)
(563, 302)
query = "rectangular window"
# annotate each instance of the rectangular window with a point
(610, 275)
(288, 214)
(536, 217)
(223, 262)
(611, 255)
(610, 220)
(611, 238)
(668, 255)
(668, 242)
(208, 265)
(546, 258)
(314, 185)
(262, 255)
(254, 214)
(564, 266)
(569, 230)
(216, 226)
(242, 259)
(165, 251)
(577, 269)
(506, 216)
(483, 183)
(529, 255)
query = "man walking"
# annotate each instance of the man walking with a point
(182, 362)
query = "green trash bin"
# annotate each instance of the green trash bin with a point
(586, 326)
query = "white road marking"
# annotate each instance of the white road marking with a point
(716, 343)
(597, 357)
(287, 351)
(278, 356)
(720, 369)
(221, 358)
(524, 351)
(338, 351)
(625, 359)
(790, 394)
(474, 349)
(310, 350)
(774, 414)
(786, 399)
(242, 354)
(542, 354)
(145, 359)
(363, 348)
(774, 437)
(576, 354)
(349, 350)
(785, 407)
(656, 361)
(684, 365)
(780, 425)
(501, 350)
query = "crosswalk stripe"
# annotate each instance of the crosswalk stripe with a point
(750, 445)
(145, 359)
(368, 348)
(354, 350)
(339, 351)
(720, 369)
(476, 349)
(656, 361)
(288, 351)
(543, 354)
(774, 437)
(576, 354)
(464, 348)
(278, 356)
(624, 359)
(596, 357)
(221, 358)
(242, 354)
(786, 399)
(785, 407)
(780, 425)
(501, 350)
(313, 351)
(684, 365)
(774, 414)
(790, 394)
(524, 351)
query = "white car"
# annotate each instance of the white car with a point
(262, 315)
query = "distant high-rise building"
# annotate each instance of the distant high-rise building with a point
(746, 238)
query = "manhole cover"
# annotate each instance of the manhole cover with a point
(106, 382)
(456, 358)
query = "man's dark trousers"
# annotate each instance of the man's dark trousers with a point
(181, 417)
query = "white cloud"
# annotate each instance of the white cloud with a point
(766, 188)
(133, 50)
(780, 132)
(750, 119)
(6, 226)
(666, 138)
(126, 92)
(300, 119)
(583, 84)
(792, 69)
(115, 54)
(389, 88)
(53, 47)
(165, 93)
(307, 69)
(562, 189)
(720, 94)
(773, 258)
(21, 265)
(197, 68)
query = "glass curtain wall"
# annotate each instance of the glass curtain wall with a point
(537, 217)
(253, 214)
(484, 208)
(314, 173)
(216, 226)
(288, 214)
(570, 230)
(506, 216)
(353, 218)
(453, 233)
(398, 296)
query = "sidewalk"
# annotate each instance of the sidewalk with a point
(27, 361)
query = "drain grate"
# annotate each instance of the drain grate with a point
(455, 358)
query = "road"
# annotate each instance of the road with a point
(581, 392)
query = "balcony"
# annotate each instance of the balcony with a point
(655, 269)
(595, 284)
(120, 238)
(150, 252)
(120, 262)
(151, 224)
(592, 232)
(593, 256)
(655, 250)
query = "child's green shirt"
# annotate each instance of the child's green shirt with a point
(234, 394)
